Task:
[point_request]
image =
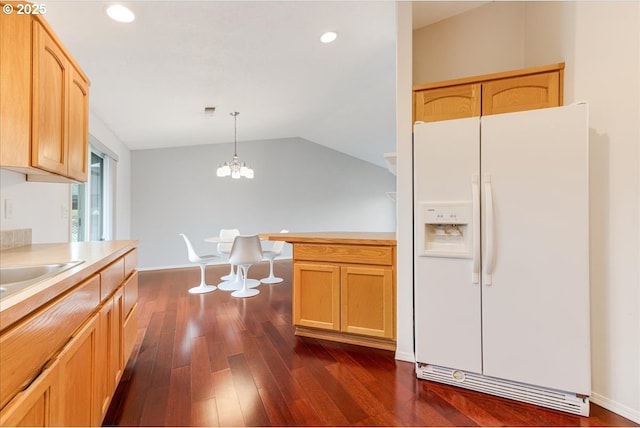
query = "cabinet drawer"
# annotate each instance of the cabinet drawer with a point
(130, 293)
(363, 254)
(111, 278)
(28, 346)
(130, 262)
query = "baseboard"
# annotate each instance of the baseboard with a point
(190, 265)
(145, 269)
(406, 356)
(615, 407)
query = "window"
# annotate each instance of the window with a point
(92, 203)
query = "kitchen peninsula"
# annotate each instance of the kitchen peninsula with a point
(344, 286)
(65, 338)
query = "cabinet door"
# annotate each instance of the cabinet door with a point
(78, 126)
(368, 301)
(50, 77)
(36, 406)
(78, 368)
(522, 93)
(117, 339)
(316, 295)
(451, 102)
(129, 334)
(110, 354)
(15, 87)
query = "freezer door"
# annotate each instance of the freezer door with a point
(447, 302)
(535, 296)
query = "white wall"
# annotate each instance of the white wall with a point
(484, 40)
(298, 185)
(606, 73)
(42, 207)
(599, 43)
(404, 150)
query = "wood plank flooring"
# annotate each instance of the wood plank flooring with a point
(216, 360)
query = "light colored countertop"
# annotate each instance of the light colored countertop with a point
(355, 238)
(95, 256)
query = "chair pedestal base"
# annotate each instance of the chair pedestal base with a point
(271, 280)
(202, 289)
(237, 285)
(249, 292)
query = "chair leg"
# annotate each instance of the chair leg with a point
(236, 282)
(230, 276)
(245, 291)
(271, 279)
(203, 287)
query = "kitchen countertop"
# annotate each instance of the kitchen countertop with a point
(355, 238)
(95, 256)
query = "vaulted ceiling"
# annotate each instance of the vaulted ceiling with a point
(151, 79)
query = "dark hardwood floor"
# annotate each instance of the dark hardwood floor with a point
(216, 360)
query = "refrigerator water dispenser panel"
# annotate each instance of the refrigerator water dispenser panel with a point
(447, 229)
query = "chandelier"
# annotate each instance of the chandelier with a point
(235, 168)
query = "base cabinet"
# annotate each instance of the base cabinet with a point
(316, 295)
(79, 362)
(36, 406)
(367, 301)
(110, 369)
(80, 376)
(345, 293)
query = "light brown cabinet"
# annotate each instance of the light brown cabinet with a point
(345, 291)
(79, 363)
(63, 363)
(526, 89)
(44, 108)
(36, 406)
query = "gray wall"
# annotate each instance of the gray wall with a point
(298, 185)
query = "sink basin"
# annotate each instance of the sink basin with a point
(16, 278)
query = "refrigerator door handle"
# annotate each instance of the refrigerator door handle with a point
(475, 191)
(489, 232)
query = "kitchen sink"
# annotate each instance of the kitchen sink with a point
(16, 278)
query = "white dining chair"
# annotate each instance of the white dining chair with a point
(224, 247)
(202, 261)
(245, 252)
(271, 254)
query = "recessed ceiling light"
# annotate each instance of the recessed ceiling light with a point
(120, 13)
(328, 37)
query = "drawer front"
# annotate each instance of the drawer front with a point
(130, 293)
(111, 278)
(27, 347)
(362, 254)
(130, 262)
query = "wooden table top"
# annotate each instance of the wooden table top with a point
(356, 238)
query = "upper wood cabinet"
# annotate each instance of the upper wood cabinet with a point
(526, 89)
(44, 108)
(449, 102)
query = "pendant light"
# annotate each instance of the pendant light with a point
(235, 168)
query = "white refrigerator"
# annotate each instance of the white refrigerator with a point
(502, 255)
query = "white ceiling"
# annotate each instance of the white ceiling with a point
(151, 79)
